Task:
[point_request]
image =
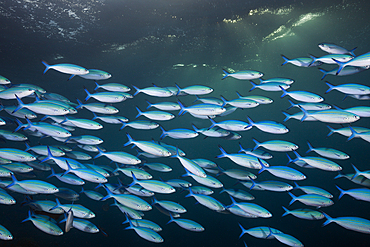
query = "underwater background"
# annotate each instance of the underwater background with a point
(189, 42)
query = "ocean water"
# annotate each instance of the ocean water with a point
(189, 42)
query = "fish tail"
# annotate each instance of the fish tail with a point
(20, 125)
(341, 66)
(253, 86)
(50, 155)
(80, 105)
(139, 112)
(286, 60)
(123, 124)
(182, 110)
(223, 100)
(313, 60)
(241, 148)
(331, 87)
(97, 86)
(331, 130)
(164, 133)
(149, 104)
(353, 135)
(357, 172)
(29, 217)
(287, 116)
(250, 121)
(310, 148)
(213, 123)
(190, 190)
(20, 104)
(137, 90)
(296, 186)
(257, 144)
(284, 92)
(352, 52)
(46, 65)
(95, 116)
(253, 183)
(291, 104)
(329, 219)
(14, 181)
(263, 167)
(294, 198)
(342, 192)
(197, 98)
(178, 89)
(289, 159)
(88, 94)
(223, 153)
(171, 219)
(340, 175)
(226, 74)
(57, 204)
(286, 211)
(325, 73)
(52, 173)
(195, 128)
(305, 115)
(28, 147)
(243, 230)
(130, 140)
(100, 152)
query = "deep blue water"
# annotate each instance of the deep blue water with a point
(143, 42)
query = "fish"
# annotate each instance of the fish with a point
(187, 224)
(155, 115)
(207, 201)
(96, 74)
(336, 49)
(349, 88)
(300, 62)
(269, 126)
(328, 152)
(154, 91)
(105, 97)
(113, 87)
(149, 147)
(276, 145)
(304, 213)
(97, 107)
(351, 223)
(194, 90)
(243, 74)
(283, 172)
(252, 208)
(362, 194)
(44, 225)
(66, 68)
(359, 61)
(312, 200)
(153, 185)
(170, 206)
(190, 166)
(146, 233)
(302, 96)
(201, 109)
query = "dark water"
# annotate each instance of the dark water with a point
(140, 43)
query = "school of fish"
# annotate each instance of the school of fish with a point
(39, 114)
